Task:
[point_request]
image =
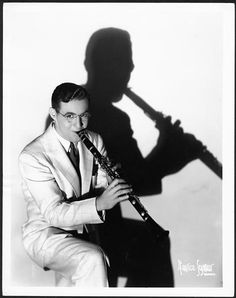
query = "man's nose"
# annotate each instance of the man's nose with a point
(78, 122)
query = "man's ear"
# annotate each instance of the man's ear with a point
(52, 113)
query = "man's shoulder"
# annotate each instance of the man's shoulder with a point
(36, 146)
(94, 136)
(31, 152)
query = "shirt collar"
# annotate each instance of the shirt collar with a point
(64, 142)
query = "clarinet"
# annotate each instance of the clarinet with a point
(160, 120)
(155, 228)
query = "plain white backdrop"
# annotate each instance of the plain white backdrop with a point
(182, 55)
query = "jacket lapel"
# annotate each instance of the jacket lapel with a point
(60, 160)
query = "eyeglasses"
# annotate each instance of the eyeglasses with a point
(70, 117)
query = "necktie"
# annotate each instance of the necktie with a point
(73, 154)
(74, 157)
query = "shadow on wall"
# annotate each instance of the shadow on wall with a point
(133, 251)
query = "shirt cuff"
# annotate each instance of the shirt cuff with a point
(101, 214)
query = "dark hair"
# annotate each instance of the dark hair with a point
(66, 92)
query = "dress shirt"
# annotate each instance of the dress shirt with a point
(65, 143)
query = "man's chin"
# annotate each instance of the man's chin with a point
(117, 98)
(75, 137)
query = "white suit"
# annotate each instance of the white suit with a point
(51, 185)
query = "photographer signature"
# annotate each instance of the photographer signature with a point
(198, 268)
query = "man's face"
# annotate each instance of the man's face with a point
(67, 127)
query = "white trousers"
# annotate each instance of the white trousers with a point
(77, 263)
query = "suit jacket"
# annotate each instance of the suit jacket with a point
(53, 191)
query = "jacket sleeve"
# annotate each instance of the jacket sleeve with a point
(41, 186)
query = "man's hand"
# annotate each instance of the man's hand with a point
(115, 193)
(175, 148)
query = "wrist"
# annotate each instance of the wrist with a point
(98, 204)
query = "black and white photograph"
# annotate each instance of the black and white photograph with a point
(118, 149)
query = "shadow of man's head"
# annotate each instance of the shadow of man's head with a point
(108, 61)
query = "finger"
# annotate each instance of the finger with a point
(115, 182)
(180, 130)
(123, 192)
(116, 166)
(116, 192)
(168, 119)
(122, 186)
(177, 123)
(122, 198)
(109, 162)
(177, 130)
(117, 185)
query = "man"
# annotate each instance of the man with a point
(65, 196)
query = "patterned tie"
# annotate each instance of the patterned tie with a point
(74, 157)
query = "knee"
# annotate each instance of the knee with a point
(94, 257)
(91, 269)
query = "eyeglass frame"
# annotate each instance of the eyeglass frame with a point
(88, 115)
